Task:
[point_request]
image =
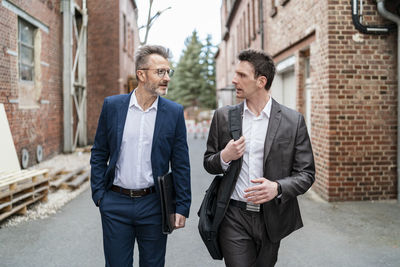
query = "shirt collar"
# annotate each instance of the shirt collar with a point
(134, 103)
(266, 110)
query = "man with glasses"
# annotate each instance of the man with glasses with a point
(139, 136)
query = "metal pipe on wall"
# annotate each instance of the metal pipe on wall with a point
(67, 9)
(370, 29)
(390, 16)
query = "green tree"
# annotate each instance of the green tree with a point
(194, 81)
(207, 97)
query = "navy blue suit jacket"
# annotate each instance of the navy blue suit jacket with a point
(169, 148)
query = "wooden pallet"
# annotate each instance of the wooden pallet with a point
(55, 174)
(72, 179)
(20, 189)
(79, 180)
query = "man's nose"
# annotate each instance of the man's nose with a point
(234, 79)
(166, 77)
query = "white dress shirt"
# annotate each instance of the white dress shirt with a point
(254, 129)
(133, 169)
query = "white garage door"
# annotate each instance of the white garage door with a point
(283, 89)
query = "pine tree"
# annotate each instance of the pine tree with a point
(193, 85)
(208, 98)
(186, 84)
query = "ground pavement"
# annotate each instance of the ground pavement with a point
(335, 234)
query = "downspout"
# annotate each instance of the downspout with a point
(262, 23)
(370, 29)
(390, 16)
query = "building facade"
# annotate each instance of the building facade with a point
(113, 38)
(343, 81)
(32, 67)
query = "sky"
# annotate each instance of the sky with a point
(176, 24)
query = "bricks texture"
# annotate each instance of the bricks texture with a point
(108, 69)
(109, 64)
(352, 78)
(31, 127)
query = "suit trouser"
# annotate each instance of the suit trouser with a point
(244, 240)
(125, 219)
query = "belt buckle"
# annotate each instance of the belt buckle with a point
(132, 194)
(252, 207)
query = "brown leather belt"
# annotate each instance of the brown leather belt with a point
(134, 192)
(245, 205)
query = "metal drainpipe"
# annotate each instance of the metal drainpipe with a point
(390, 16)
(368, 29)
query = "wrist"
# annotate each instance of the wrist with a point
(223, 156)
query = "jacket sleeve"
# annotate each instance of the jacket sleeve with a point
(303, 168)
(99, 156)
(212, 160)
(180, 167)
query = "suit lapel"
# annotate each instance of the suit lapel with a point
(274, 120)
(160, 118)
(122, 111)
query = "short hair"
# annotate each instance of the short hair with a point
(262, 63)
(141, 56)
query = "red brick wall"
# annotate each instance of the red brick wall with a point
(362, 85)
(42, 125)
(127, 63)
(108, 63)
(353, 79)
(108, 68)
(290, 25)
(103, 58)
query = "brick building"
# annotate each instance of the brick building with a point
(113, 38)
(32, 68)
(343, 81)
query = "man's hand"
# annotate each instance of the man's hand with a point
(263, 192)
(233, 150)
(179, 221)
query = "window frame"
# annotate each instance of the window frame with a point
(21, 43)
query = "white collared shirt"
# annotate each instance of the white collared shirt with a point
(254, 130)
(133, 169)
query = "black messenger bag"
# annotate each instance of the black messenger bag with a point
(216, 199)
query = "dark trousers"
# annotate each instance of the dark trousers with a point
(125, 219)
(244, 240)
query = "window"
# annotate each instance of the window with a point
(128, 40)
(244, 30)
(26, 50)
(260, 12)
(238, 38)
(248, 25)
(124, 30)
(233, 52)
(132, 43)
(253, 5)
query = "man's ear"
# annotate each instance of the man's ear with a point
(261, 81)
(140, 75)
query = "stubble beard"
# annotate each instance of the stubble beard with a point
(161, 92)
(156, 90)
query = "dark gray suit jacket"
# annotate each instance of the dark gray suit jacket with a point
(288, 158)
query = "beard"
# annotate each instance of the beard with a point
(156, 90)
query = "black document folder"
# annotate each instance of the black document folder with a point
(168, 202)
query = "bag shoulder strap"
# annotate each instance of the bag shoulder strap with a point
(235, 121)
(235, 128)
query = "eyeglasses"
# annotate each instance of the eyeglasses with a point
(161, 72)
